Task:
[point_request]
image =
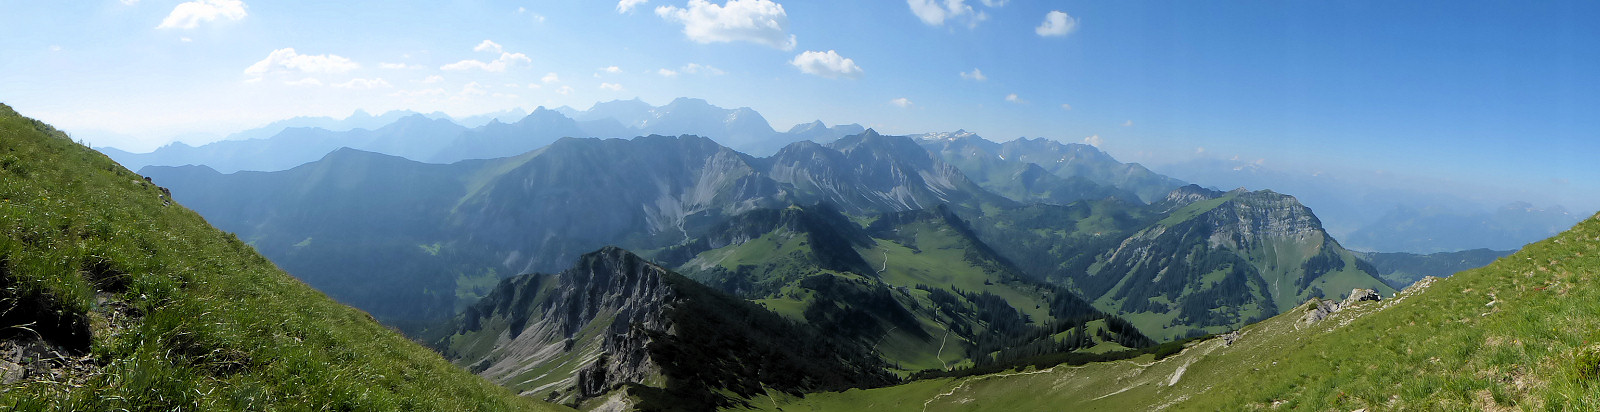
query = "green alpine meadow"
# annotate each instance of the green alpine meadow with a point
(117, 298)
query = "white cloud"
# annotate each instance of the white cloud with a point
(1014, 99)
(190, 14)
(755, 21)
(309, 81)
(373, 83)
(286, 59)
(611, 86)
(550, 78)
(902, 102)
(473, 89)
(1056, 23)
(1065, 106)
(1127, 123)
(396, 66)
(626, 6)
(131, 2)
(564, 90)
(489, 46)
(974, 75)
(826, 64)
(55, 48)
(995, 3)
(667, 73)
(505, 61)
(934, 14)
(433, 79)
(611, 69)
(696, 68)
(1093, 140)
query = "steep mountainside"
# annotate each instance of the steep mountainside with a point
(118, 299)
(1402, 269)
(617, 330)
(1017, 180)
(1078, 163)
(1198, 262)
(440, 235)
(1516, 334)
(869, 172)
(918, 286)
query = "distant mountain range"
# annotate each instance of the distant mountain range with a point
(1027, 170)
(436, 138)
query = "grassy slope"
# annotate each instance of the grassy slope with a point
(184, 316)
(931, 254)
(1507, 335)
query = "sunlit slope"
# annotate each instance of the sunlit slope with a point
(916, 286)
(1519, 333)
(119, 299)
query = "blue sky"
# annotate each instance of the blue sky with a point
(1497, 96)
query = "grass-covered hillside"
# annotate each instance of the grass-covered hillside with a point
(918, 287)
(1521, 333)
(112, 297)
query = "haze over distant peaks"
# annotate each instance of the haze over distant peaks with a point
(485, 136)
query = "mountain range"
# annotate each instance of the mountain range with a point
(440, 235)
(437, 138)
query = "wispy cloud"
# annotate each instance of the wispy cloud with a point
(1015, 99)
(611, 86)
(696, 68)
(190, 14)
(489, 46)
(506, 60)
(755, 21)
(286, 59)
(1093, 140)
(975, 74)
(902, 102)
(626, 6)
(827, 64)
(374, 83)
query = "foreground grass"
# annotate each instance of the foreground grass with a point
(1522, 333)
(179, 315)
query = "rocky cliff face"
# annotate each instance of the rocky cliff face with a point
(1221, 260)
(615, 321)
(871, 173)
